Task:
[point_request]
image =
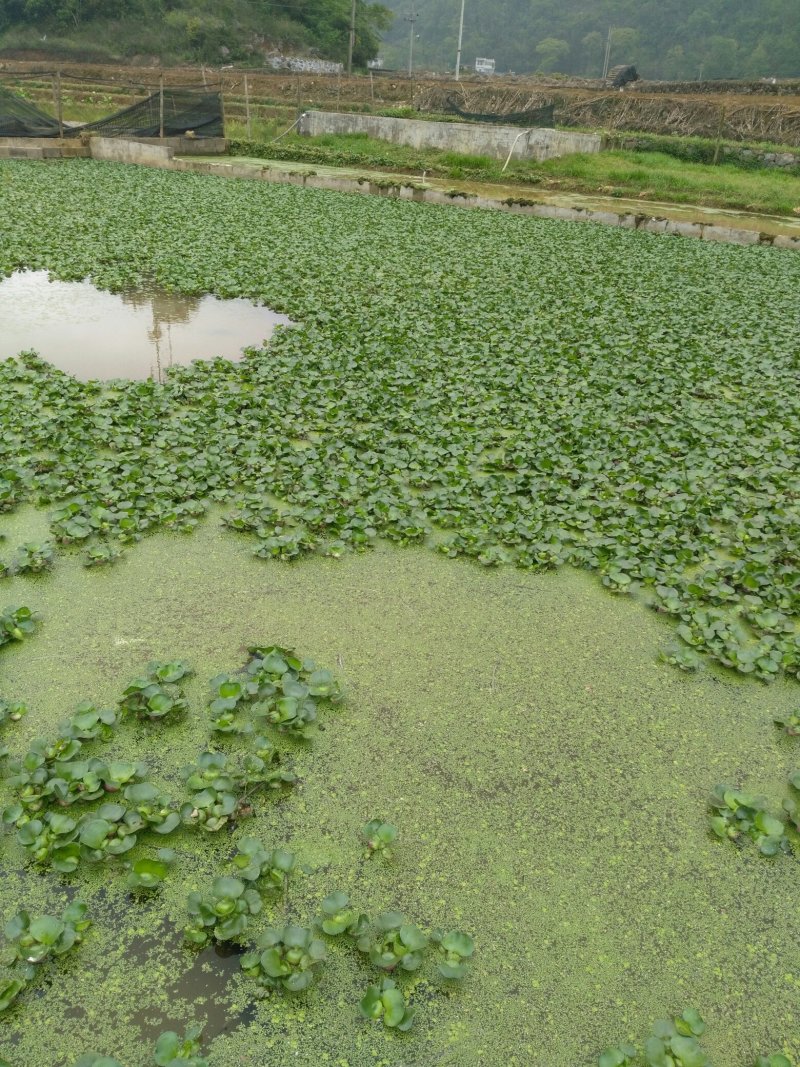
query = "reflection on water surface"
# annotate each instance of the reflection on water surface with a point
(94, 334)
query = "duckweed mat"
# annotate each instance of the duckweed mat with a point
(514, 393)
(548, 778)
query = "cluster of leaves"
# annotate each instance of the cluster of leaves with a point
(285, 958)
(391, 944)
(379, 837)
(612, 426)
(38, 941)
(16, 624)
(221, 789)
(276, 688)
(672, 1043)
(56, 774)
(171, 1051)
(33, 557)
(222, 912)
(157, 694)
(736, 815)
(789, 723)
(10, 711)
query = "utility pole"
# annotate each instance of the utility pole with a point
(352, 43)
(411, 19)
(608, 52)
(460, 39)
(161, 105)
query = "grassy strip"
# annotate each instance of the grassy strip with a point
(646, 175)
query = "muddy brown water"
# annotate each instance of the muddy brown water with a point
(95, 334)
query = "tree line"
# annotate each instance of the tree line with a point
(666, 39)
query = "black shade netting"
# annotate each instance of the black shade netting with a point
(540, 116)
(184, 109)
(20, 118)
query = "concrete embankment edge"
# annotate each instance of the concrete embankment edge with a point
(155, 153)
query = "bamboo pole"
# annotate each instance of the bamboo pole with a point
(161, 105)
(59, 104)
(247, 108)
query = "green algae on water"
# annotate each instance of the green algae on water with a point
(548, 779)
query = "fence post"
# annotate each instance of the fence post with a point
(247, 108)
(58, 103)
(161, 105)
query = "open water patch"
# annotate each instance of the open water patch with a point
(93, 334)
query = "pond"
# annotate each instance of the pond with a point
(90, 333)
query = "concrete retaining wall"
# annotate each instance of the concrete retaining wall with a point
(471, 139)
(115, 150)
(698, 230)
(110, 148)
(41, 148)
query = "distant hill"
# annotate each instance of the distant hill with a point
(667, 39)
(201, 31)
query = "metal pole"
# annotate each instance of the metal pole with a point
(352, 42)
(460, 39)
(247, 109)
(411, 20)
(161, 106)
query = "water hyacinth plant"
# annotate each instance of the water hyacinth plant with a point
(222, 913)
(338, 917)
(174, 1051)
(16, 624)
(286, 958)
(672, 1043)
(386, 1003)
(36, 942)
(736, 815)
(394, 943)
(157, 694)
(147, 874)
(789, 723)
(379, 837)
(458, 948)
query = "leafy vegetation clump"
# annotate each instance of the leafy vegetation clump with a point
(223, 912)
(736, 815)
(38, 941)
(394, 943)
(101, 554)
(147, 874)
(789, 723)
(379, 837)
(10, 711)
(338, 917)
(16, 624)
(645, 438)
(285, 958)
(385, 1002)
(174, 1051)
(157, 694)
(458, 948)
(171, 1051)
(792, 803)
(672, 1043)
(275, 688)
(31, 558)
